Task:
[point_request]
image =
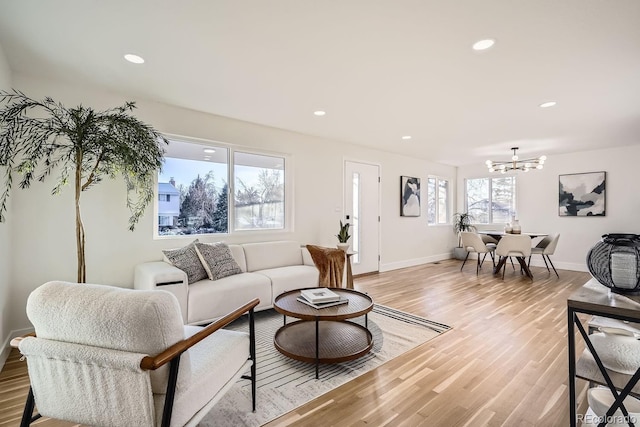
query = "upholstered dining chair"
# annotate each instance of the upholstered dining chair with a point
(514, 245)
(472, 242)
(107, 356)
(546, 247)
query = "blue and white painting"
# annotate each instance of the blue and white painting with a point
(582, 194)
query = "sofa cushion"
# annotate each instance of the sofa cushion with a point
(210, 300)
(261, 256)
(187, 260)
(238, 254)
(285, 279)
(217, 260)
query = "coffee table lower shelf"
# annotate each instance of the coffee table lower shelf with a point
(336, 341)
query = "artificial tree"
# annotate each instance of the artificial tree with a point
(38, 138)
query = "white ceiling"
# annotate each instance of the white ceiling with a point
(380, 69)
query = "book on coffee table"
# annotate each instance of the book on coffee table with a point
(342, 300)
(319, 295)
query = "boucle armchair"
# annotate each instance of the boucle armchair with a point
(107, 356)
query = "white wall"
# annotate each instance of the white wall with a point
(537, 200)
(5, 238)
(44, 240)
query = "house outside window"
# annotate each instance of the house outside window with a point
(194, 196)
(168, 207)
(438, 206)
(491, 200)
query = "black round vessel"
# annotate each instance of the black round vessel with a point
(615, 262)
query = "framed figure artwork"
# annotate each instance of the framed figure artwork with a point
(409, 196)
(582, 194)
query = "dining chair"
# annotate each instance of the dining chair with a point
(514, 245)
(546, 247)
(489, 240)
(472, 242)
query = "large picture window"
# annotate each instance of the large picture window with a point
(438, 201)
(194, 196)
(491, 200)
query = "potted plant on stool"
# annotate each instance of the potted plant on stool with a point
(343, 236)
(461, 222)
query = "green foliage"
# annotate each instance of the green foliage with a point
(343, 235)
(38, 138)
(98, 143)
(462, 222)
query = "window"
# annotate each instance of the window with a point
(194, 196)
(491, 200)
(259, 191)
(438, 201)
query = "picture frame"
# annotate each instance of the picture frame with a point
(582, 194)
(409, 196)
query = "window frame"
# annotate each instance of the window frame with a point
(514, 202)
(449, 219)
(289, 202)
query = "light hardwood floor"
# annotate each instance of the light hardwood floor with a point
(504, 363)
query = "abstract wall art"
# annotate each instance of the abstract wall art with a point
(409, 196)
(582, 194)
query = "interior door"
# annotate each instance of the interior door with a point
(362, 211)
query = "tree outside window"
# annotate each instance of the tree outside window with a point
(491, 200)
(259, 191)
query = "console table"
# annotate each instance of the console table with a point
(596, 299)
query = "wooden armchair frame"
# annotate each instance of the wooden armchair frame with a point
(172, 356)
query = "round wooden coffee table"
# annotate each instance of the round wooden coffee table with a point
(323, 335)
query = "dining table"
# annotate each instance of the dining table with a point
(497, 234)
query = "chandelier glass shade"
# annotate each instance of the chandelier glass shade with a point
(516, 163)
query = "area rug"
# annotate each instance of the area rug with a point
(284, 384)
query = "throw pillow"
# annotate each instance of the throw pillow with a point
(217, 260)
(187, 260)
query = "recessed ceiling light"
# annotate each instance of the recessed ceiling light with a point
(483, 44)
(406, 137)
(319, 113)
(548, 104)
(209, 150)
(134, 58)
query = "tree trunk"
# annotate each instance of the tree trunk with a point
(82, 272)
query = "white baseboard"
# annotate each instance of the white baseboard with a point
(536, 261)
(413, 262)
(6, 347)
(573, 266)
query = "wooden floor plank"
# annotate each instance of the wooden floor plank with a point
(504, 363)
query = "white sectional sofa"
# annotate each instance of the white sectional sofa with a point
(268, 269)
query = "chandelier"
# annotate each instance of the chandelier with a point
(516, 163)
